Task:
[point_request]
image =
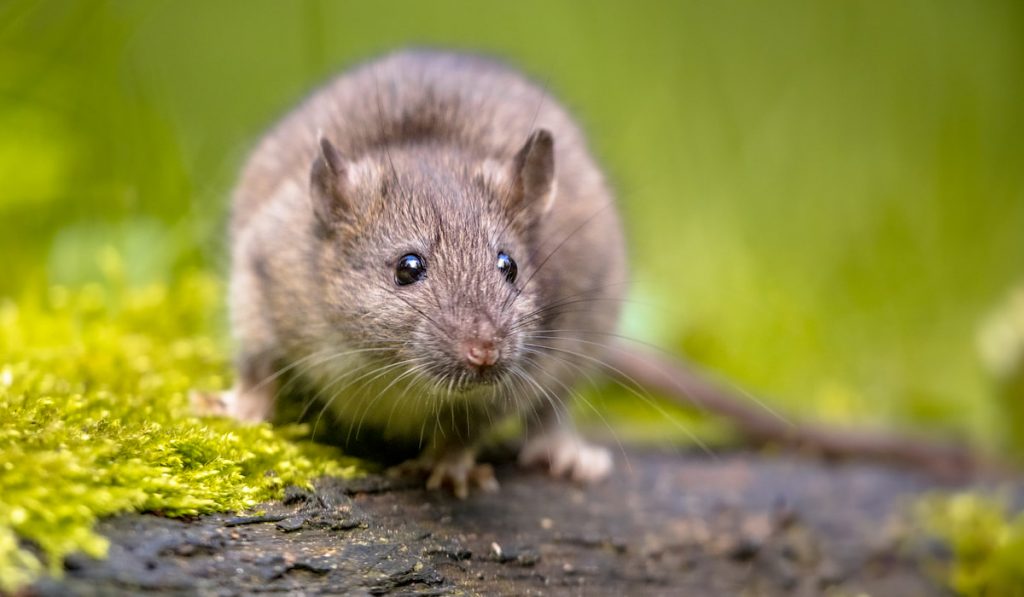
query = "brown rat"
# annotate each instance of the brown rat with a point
(427, 243)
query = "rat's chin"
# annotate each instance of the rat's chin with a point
(482, 380)
(467, 380)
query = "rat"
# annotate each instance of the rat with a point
(429, 245)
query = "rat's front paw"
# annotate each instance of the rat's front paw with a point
(248, 407)
(567, 455)
(459, 473)
(211, 404)
(456, 469)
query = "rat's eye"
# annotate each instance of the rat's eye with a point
(507, 266)
(410, 269)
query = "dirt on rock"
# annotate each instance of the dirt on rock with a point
(663, 524)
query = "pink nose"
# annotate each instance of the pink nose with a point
(481, 353)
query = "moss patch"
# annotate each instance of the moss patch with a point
(94, 420)
(987, 543)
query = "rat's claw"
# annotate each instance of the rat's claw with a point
(458, 470)
(211, 404)
(567, 455)
(245, 406)
(483, 477)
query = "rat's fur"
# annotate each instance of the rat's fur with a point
(455, 158)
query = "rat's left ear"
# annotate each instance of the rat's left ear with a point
(533, 174)
(329, 184)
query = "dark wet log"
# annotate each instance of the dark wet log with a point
(663, 524)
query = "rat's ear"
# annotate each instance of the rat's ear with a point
(328, 184)
(533, 174)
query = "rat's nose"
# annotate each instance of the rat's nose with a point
(480, 352)
(480, 347)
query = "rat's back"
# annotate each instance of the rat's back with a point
(477, 104)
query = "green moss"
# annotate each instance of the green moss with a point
(94, 420)
(987, 543)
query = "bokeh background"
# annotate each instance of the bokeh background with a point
(825, 199)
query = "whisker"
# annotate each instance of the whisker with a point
(509, 184)
(376, 374)
(561, 244)
(589, 293)
(632, 387)
(383, 135)
(334, 395)
(322, 357)
(547, 395)
(328, 385)
(732, 385)
(539, 314)
(414, 362)
(580, 397)
(418, 377)
(428, 318)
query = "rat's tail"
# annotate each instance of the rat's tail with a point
(682, 383)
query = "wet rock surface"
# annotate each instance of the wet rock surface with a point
(664, 524)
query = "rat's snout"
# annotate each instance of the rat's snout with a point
(480, 347)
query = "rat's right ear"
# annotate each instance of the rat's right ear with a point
(533, 174)
(328, 184)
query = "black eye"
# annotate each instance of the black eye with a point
(410, 269)
(507, 266)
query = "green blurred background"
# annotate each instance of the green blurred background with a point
(825, 199)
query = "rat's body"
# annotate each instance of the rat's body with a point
(428, 244)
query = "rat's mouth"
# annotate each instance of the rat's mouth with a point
(479, 379)
(449, 375)
(466, 380)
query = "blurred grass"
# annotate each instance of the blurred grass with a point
(825, 200)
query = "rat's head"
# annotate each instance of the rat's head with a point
(427, 255)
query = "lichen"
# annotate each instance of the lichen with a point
(94, 420)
